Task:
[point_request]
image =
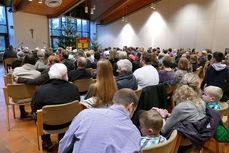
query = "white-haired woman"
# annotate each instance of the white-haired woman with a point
(56, 91)
(189, 106)
(125, 79)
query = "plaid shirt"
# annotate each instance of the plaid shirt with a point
(148, 141)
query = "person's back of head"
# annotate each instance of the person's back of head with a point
(183, 64)
(20, 55)
(147, 58)
(167, 61)
(188, 90)
(218, 57)
(124, 66)
(53, 59)
(82, 62)
(29, 59)
(151, 123)
(122, 55)
(97, 55)
(58, 71)
(65, 54)
(125, 97)
(215, 94)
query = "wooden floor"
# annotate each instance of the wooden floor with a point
(22, 136)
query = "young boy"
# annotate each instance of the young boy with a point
(212, 95)
(151, 123)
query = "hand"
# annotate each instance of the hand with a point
(16, 78)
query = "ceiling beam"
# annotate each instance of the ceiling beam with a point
(125, 9)
(21, 4)
(109, 10)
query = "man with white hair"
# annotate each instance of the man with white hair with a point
(56, 91)
(125, 79)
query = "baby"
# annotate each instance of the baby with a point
(212, 96)
(151, 123)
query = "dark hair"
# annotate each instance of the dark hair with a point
(65, 54)
(147, 57)
(218, 56)
(125, 97)
(97, 55)
(30, 59)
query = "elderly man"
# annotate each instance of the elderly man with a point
(104, 130)
(147, 75)
(56, 91)
(125, 79)
(80, 72)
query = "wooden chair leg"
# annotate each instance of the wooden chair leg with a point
(13, 111)
(7, 118)
(40, 144)
(217, 147)
(177, 143)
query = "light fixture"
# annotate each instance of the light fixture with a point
(94, 7)
(40, 1)
(152, 6)
(53, 3)
(92, 10)
(30, 0)
(123, 18)
(86, 9)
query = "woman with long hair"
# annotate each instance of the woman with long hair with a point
(100, 94)
(189, 106)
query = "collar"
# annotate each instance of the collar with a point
(120, 109)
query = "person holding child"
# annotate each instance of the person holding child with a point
(151, 123)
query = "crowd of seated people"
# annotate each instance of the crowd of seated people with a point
(117, 69)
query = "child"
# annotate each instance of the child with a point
(212, 95)
(151, 123)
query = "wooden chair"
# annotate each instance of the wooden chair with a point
(91, 70)
(55, 115)
(204, 69)
(166, 147)
(138, 93)
(17, 94)
(224, 116)
(170, 92)
(7, 62)
(8, 79)
(83, 84)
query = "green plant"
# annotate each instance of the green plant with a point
(95, 45)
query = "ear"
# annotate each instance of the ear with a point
(151, 131)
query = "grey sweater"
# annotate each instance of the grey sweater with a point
(183, 112)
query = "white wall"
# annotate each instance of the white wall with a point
(196, 24)
(23, 22)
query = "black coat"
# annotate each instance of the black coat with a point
(54, 92)
(79, 74)
(127, 80)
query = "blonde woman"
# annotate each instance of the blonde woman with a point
(189, 106)
(100, 94)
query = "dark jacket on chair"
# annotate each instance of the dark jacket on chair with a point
(126, 80)
(79, 74)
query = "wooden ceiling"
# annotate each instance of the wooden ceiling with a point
(106, 10)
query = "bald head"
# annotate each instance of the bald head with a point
(82, 62)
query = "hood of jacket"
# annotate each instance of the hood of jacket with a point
(219, 66)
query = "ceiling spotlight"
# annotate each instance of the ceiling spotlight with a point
(40, 1)
(94, 7)
(30, 0)
(86, 9)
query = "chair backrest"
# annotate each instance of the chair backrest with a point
(60, 114)
(91, 70)
(83, 84)
(8, 79)
(138, 93)
(223, 111)
(20, 91)
(166, 147)
(7, 62)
